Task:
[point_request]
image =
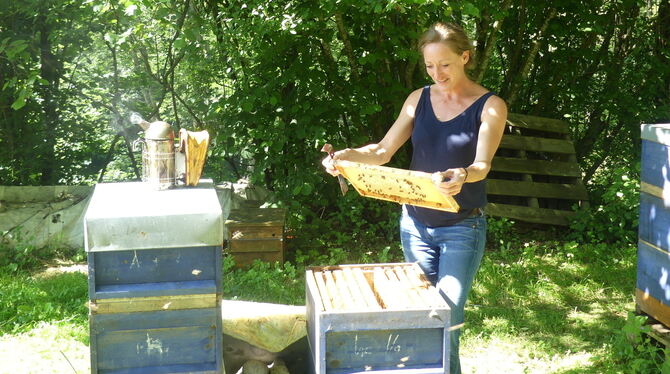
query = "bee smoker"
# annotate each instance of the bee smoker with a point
(158, 156)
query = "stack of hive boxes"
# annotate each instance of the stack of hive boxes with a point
(154, 260)
(653, 266)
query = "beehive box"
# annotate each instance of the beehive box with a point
(653, 266)
(154, 260)
(256, 233)
(374, 319)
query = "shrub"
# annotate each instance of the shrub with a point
(614, 215)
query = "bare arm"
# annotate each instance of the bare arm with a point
(382, 152)
(494, 116)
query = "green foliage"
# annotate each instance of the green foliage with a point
(263, 282)
(500, 233)
(21, 256)
(26, 300)
(636, 350)
(614, 214)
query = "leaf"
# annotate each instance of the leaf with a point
(130, 10)
(19, 103)
(470, 9)
(179, 43)
(306, 189)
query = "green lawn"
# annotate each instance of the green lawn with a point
(536, 307)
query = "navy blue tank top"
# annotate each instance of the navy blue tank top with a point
(441, 145)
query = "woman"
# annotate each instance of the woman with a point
(455, 126)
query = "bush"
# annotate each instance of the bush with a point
(614, 215)
(634, 349)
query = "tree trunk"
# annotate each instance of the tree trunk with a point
(489, 41)
(48, 93)
(518, 79)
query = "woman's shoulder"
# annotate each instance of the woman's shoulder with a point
(414, 96)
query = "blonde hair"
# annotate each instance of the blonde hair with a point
(453, 36)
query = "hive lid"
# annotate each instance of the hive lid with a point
(659, 133)
(126, 216)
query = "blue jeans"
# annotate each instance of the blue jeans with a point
(450, 257)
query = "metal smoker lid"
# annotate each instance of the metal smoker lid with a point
(159, 130)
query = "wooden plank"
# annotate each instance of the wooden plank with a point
(326, 299)
(335, 297)
(654, 224)
(157, 341)
(244, 259)
(122, 349)
(385, 289)
(367, 292)
(411, 297)
(652, 306)
(655, 163)
(156, 265)
(360, 300)
(663, 194)
(536, 144)
(429, 293)
(400, 295)
(259, 245)
(536, 189)
(255, 232)
(540, 167)
(375, 351)
(409, 291)
(538, 123)
(653, 266)
(536, 215)
(115, 291)
(156, 303)
(313, 291)
(348, 299)
(256, 217)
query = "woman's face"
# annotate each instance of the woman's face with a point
(445, 66)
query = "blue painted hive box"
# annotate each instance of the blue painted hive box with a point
(154, 261)
(653, 266)
(377, 318)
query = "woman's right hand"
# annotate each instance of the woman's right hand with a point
(328, 161)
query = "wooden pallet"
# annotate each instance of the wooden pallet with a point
(659, 332)
(535, 176)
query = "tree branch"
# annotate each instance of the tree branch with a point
(349, 51)
(521, 76)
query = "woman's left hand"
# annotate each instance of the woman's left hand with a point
(450, 181)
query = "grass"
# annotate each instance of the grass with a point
(552, 308)
(537, 306)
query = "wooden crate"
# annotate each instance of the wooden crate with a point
(534, 175)
(154, 280)
(375, 319)
(256, 233)
(653, 264)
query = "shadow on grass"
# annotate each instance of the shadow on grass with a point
(26, 300)
(559, 302)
